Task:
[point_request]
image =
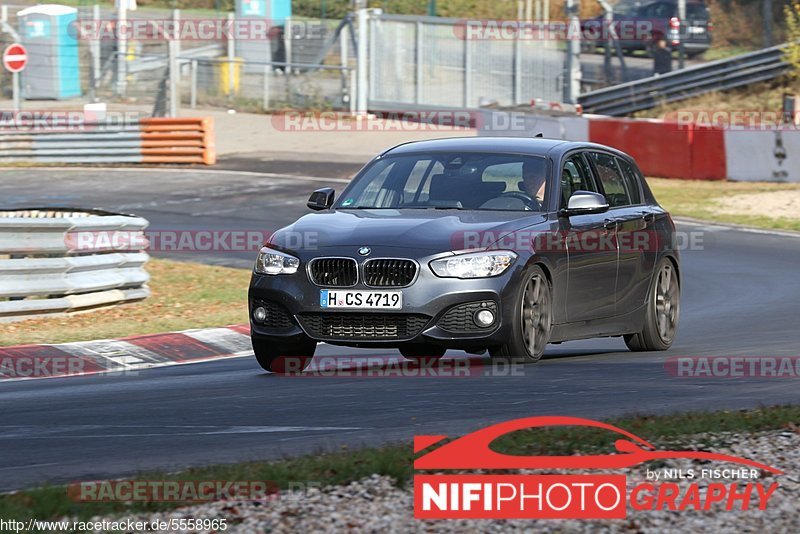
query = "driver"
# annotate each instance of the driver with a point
(534, 178)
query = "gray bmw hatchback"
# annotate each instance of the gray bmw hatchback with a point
(481, 244)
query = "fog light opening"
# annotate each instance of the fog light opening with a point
(260, 314)
(484, 318)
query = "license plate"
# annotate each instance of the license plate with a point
(696, 29)
(383, 300)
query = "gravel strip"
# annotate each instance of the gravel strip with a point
(376, 505)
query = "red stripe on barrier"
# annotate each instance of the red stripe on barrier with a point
(177, 347)
(708, 153)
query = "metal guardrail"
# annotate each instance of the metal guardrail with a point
(151, 140)
(59, 261)
(717, 75)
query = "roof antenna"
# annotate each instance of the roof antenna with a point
(540, 134)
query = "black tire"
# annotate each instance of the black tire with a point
(422, 352)
(662, 313)
(533, 316)
(278, 356)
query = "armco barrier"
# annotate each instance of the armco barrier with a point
(46, 266)
(151, 140)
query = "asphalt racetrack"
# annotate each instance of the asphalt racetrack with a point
(740, 297)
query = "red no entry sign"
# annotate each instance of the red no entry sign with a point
(15, 58)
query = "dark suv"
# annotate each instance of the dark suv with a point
(641, 24)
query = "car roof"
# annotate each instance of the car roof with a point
(533, 146)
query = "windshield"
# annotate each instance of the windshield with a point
(473, 181)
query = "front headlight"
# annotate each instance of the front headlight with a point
(273, 262)
(474, 265)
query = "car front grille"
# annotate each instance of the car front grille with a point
(363, 326)
(459, 318)
(389, 272)
(333, 272)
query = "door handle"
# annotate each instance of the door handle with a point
(610, 224)
(648, 216)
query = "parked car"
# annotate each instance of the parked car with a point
(498, 244)
(641, 24)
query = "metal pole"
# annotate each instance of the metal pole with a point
(15, 91)
(418, 63)
(193, 89)
(681, 26)
(94, 46)
(572, 74)
(176, 19)
(467, 71)
(122, 49)
(267, 74)
(231, 56)
(173, 78)
(287, 44)
(517, 96)
(361, 54)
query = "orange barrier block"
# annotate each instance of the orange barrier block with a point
(178, 140)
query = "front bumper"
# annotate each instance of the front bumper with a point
(433, 309)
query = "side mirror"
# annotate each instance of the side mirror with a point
(585, 202)
(321, 199)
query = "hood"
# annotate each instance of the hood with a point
(427, 229)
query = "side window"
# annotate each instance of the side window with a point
(611, 179)
(631, 179)
(575, 176)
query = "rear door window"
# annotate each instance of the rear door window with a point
(631, 179)
(611, 180)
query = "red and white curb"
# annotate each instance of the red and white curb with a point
(26, 362)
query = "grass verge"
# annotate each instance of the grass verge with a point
(706, 200)
(396, 461)
(185, 295)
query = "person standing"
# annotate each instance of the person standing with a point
(662, 58)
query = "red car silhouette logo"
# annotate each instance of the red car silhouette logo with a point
(473, 451)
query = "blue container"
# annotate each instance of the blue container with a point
(53, 69)
(277, 11)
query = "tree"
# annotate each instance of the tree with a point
(792, 52)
